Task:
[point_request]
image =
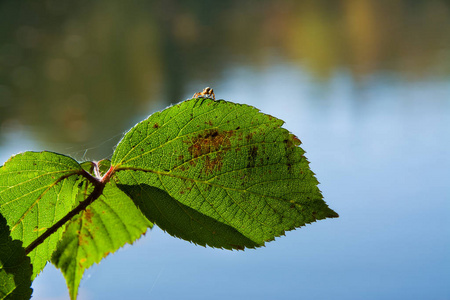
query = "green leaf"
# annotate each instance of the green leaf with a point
(106, 225)
(36, 190)
(204, 164)
(184, 222)
(15, 267)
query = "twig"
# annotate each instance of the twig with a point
(99, 185)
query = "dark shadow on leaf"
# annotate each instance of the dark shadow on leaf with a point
(15, 266)
(184, 222)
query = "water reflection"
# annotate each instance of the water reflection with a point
(364, 84)
(67, 69)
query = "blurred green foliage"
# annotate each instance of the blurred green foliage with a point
(61, 62)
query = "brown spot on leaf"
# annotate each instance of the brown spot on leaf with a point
(212, 164)
(288, 143)
(156, 125)
(296, 140)
(88, 214)
(237, 247)
(252, 154)
(292, 141)
(82, 240)
(212, 145)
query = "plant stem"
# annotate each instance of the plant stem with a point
(99, 185)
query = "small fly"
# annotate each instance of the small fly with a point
(206, 93)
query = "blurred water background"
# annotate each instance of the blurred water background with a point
(364, 84)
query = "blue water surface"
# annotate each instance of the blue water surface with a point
(379, 147)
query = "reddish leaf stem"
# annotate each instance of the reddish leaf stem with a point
(99, 185)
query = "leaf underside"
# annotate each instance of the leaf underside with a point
(106, 225)
(217, 164)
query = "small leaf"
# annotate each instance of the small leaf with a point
(36, 190)
(90, 167)
(15, 267)
(104, 166)
(217, 161)
(106, 225)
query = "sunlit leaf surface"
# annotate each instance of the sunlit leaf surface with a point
(229, 173)
(36, 190)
